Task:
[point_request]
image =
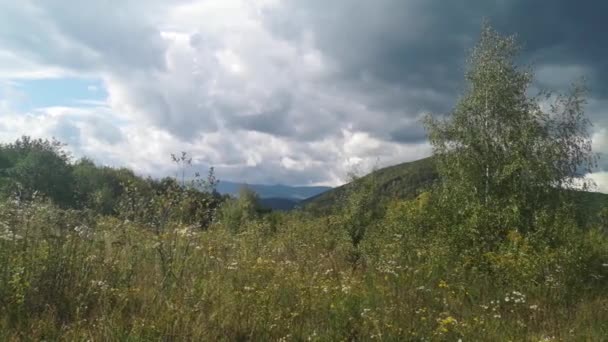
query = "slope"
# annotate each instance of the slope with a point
(404, 180)
(407, 180)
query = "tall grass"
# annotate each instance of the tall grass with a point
(65, 275)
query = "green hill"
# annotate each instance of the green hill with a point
(407, 180)
(404, 181)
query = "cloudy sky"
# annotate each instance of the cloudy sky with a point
(271, 91)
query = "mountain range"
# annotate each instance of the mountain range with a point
(401, 181)
(276, 197)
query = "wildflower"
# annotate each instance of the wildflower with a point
(185, 232)
(445, 323)
(442, 284)
(83, 231)
(8, 235)
(448, 320)
(102, 285)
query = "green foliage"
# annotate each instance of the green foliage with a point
(358, 209)
(501, 157)
(603, 219)
(160, 203)
(405, 181)
(36, 167)
(68, 276)
(100, 188)
(235, 212)
(41, 168)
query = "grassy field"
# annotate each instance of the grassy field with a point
(66, 275)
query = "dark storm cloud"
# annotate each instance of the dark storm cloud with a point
(563, 33)
(411, 46)
(271, 120)
(408, 134)
(414, 42)
(424, 42)
(83, 35)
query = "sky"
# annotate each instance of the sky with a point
(297, 92)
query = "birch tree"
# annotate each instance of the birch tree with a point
(501, 148)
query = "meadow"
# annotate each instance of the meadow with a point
(66, 276)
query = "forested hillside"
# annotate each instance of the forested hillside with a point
(482, 242)
(408, 180)
(403, 181)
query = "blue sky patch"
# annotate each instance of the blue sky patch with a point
(59, 92)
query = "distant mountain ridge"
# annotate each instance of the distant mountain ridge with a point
(297, 193)
(401, 181)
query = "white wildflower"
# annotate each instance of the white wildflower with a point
(7, 234)
(102, 285)
(185, 232)
(345, 289)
